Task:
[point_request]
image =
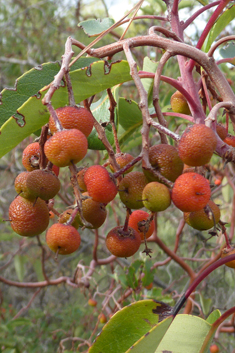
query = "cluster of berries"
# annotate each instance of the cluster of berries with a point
(29, 212)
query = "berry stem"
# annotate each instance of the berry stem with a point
(52, 112)
(113, 104)
(127, 166)
(125, 227)
(70, 89)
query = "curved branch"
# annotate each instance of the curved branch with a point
(221, 41)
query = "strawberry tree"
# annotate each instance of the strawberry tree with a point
(86, 121)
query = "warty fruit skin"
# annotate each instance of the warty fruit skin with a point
(137, 221)
(28, 218)
(20, 186)
(65, 147)
(131, 188)
(179, 104)
(197, 145)
(73, 118)
(199, 219)
(165, 159)
(123, 244)
(156, 197)
(63, 238)
(31, 156)
(43, 183)
(191, 192)
(227, 252)
(122, 160)
(100, 185)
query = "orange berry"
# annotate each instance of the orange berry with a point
(103, 319)
(123, 243)
(63, 238)
(28, 218)
(179, 104)
(197, 145)
(123, 159)
(94, 212)
(42, 183)
(73, 118)
(131, 189)
(217, 182)
(230, 140)
(31, 156)
(137, 221)
(221, 131)
(80, 179)
(65, 216)
(156, 197)
(92, 302)
(201, 220)
(100, 185)
(191, 192)
(66, 146)
(227, 252)
(165, 159)
(20, 186)
(56, 170)
(214, 348)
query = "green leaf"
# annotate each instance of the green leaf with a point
(126, 327)
(228, 52)
(95, 27)
(32, 115)
(203, 2)
(100, 110)
(149, 66)
(19, 262)
(185, 335)
(226, 190)
(37, 265)
(215, 315)
(21, 321)
(130, 117)
(205, 303)
(218, 27)
(152, 339)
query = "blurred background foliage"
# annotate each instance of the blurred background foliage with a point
(33, 32)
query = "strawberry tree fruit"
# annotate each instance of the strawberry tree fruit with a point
(66, 147)
(103, 318)
(141, 222)
(20, 186)
(214, 348)
(156, 197)
(63, 239)
(92, 302)
(28, 217)
(65, 216)
(80, 179)
(131, 188)
(73, 118)
(230, 140)
(197, 145)
(221, 131)
(179, 104)
(226, 252)
(191, 192)
(122, 160)
(31, 156)
(43, 183)
(123, 243)
(164, 159)
(94, 212)
(205, 218)
(100, 184)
